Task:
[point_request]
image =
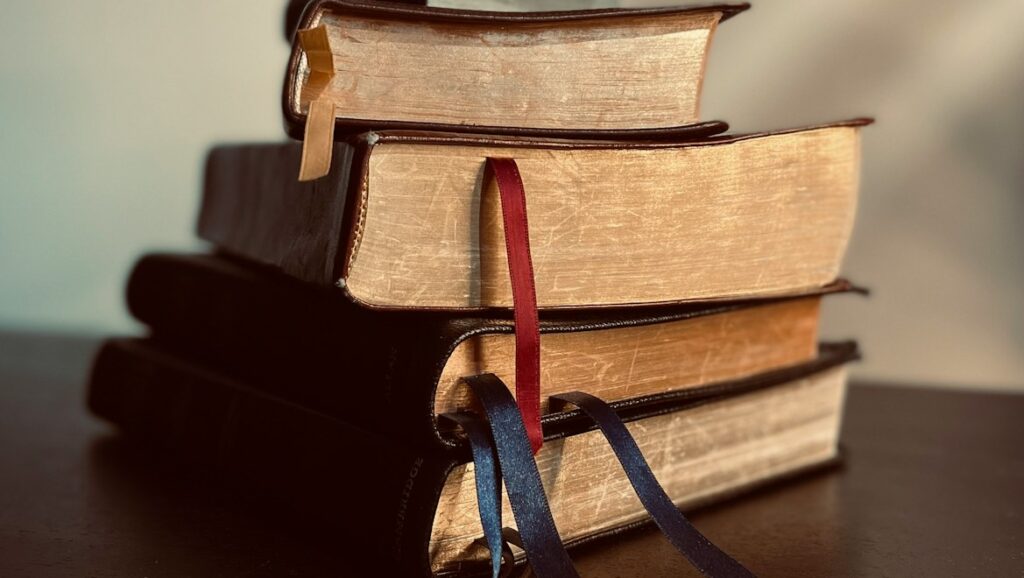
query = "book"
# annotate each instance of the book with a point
(415, 511)
(405, 220)
(378, 369)
(384, 65)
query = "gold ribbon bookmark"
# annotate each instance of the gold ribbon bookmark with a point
(318, 141)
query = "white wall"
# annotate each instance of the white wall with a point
(939, 236)
(106, 109)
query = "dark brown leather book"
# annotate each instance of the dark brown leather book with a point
(311, 346)
(385, 65)
(293, 12)
(414, 511)
(405, 220)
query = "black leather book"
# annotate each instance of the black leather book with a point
(378, 368)
(341, 478)
(414, 511)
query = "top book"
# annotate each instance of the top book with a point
(628, 72)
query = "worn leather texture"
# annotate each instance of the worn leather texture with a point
(307, 343)
(295, 122)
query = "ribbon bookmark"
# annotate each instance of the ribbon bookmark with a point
(488, 485)
(318, 141)
(704, 555)
(544, 549)
(524, 294)
(316, 45)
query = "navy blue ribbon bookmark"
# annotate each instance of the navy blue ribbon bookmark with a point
(505, 452)
(705, 556)
(488, 485)
(544, 549)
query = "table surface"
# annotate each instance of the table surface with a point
(933, 485)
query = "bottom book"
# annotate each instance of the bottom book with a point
(415, 510)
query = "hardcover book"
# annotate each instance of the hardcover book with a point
(407, 220)
(395, 372)
(385, 65)
(415, 511)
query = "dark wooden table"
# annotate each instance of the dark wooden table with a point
(933, 486)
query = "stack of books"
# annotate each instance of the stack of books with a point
(361, 274)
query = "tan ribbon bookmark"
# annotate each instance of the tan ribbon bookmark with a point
(318, 142)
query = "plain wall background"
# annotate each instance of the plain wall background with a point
(107, 108)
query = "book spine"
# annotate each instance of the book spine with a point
(318, 473)
(254, 206)
(374, 370)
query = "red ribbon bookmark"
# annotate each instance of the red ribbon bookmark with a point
(524, 294)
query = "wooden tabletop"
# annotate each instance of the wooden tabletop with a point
(933, 485)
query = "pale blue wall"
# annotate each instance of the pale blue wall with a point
(106, 109)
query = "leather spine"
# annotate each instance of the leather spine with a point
(307, 344)
(339, 480)
(254, 206)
